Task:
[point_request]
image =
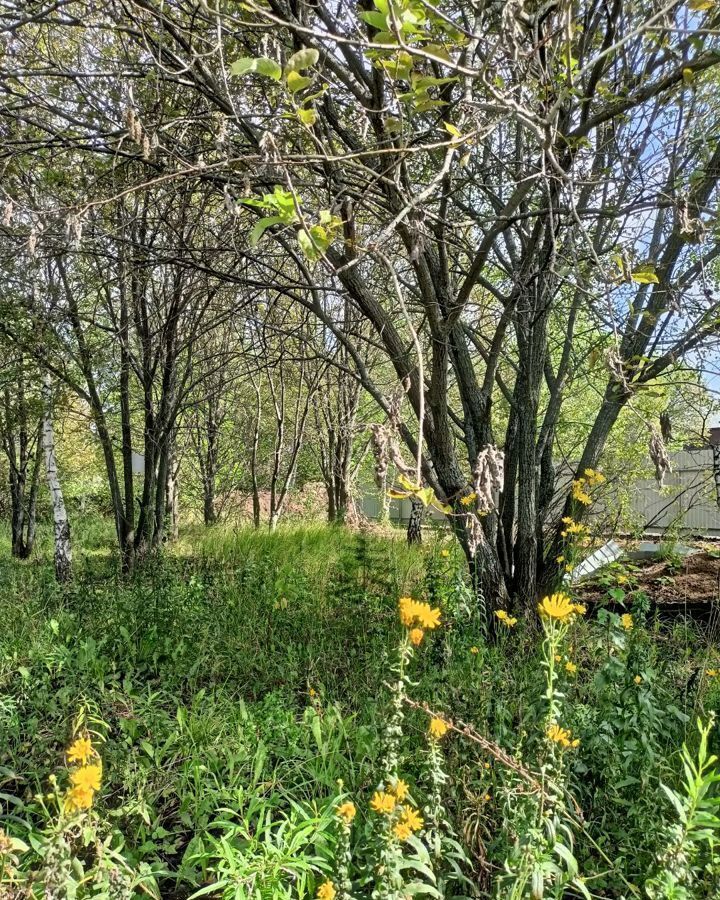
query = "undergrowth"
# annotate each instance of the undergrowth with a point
(267, 725)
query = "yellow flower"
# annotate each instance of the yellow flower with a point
(400, 789)
(474, 650)
(382, 803)
(508, 621)
(438, 728)
(638, 679)
(312, 692)
(414, 612)
(326, 891)
(501, 614)
(79, 798)
(427, 617)
(580, 608)
(560, 558)
(557, 606)
(626, 620)
(444, 554)
(407, 611)
(570, 667)
(561, 736)
(711, 673)
(416, 636)
(412, 818)
(402, 831)
(468, 499)
(558, 658)
(80, 751)
(593, 477)
(622, 579)
(579, 493)
(347, 811)
(87, 778)
(486, 798)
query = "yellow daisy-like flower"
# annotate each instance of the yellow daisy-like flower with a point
(444, 554)
(427, 617)
(594, 477)
(400, 789)
(474, 650)
(560, 558)
(80, 751)
(579, 493)
(711, 673)
(412, 818)
(346, 811)
(407, 611)
(383, 803)
(509, 621)
(580, 608)
(558, 658)
(557, 606)
(416, 636)
(402, 831)
(468, 499)
(438, 728)
(626, 620)
(561, 736)
(87, 778)
(622, 579)
(557, 734)
(326, 891)
(638, 679)
(501, 614)
(79, 798)
(570, 667)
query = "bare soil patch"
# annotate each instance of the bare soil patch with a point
(693, 580)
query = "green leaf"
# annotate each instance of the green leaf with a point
(297, 82)
(376, 19)
(645, 275)
(261, 64)
(700, 5)
(307, 116)
(451, 129)
(306, 244)
(269, 67)
(260, 227)
(303, 59)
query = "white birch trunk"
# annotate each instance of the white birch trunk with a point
(63, 551)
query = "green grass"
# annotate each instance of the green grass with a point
(244, 672)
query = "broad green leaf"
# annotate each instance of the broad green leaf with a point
(307, 116)
(376, 19)
(268, 67)
(451, 129)
(297, 82)
(407, 484)
(306, 244)
(426, 496)
(260, 227)
(303, 59)
(645, 275)
(262, 65)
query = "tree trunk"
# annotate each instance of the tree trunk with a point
(63, 551)
(414, 529)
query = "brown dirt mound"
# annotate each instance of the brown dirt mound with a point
(695, 580)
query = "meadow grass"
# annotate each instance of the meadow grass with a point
(239, 675)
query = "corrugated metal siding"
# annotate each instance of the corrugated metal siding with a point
(687, 502)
